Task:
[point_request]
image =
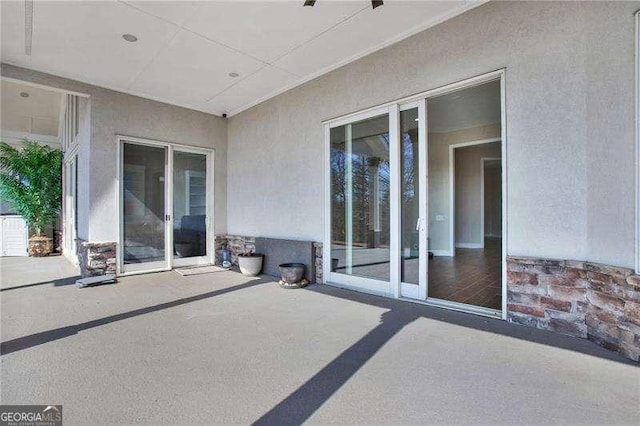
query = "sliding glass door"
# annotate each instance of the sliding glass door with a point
(144, 207)
(413, 201)
(190, 201)
(359, 188)
(165, 206)
(401, 179)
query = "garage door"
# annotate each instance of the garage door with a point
(13, 236)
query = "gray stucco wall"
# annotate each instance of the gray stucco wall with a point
(570, 126)
(114, 113)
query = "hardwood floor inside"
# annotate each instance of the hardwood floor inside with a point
(472, 276)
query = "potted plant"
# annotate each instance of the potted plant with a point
(292, 275)
(250, 263)
(31, 182)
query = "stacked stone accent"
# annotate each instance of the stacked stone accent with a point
(318, 260)
(236, 244)
(583, 299)
(220, 244)
(96, 258)
(57, 241)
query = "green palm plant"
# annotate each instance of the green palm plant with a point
(31, 182)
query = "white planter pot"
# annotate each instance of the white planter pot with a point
(250, 265)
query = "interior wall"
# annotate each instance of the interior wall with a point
(468, 172)
(439, 184)
(114, 113)
(569, 117)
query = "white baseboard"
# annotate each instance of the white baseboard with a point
(470, 245)
(442, 252)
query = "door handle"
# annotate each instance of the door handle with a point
(418, 222)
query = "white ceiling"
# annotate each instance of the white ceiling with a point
(37, 114)
(185, 50)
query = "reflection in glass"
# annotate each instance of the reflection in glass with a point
(410, 208)
(143, 211)
(360, 198)
(189, 204)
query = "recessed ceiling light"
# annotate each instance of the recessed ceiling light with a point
(233, 74)
(130, 37)
(24, 94)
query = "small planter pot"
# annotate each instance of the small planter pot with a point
(250, 265)
(292, 275)
(40, 246)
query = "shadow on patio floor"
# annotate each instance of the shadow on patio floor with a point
(36, 339)
(302, 403)
(308, 398)
(56, 283)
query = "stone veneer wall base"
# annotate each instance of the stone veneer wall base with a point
(582, 299)
(238, 244)
(96, 258)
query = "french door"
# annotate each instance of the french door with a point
(165, 197)
(377, 187)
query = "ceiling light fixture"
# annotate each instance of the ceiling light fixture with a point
(309, 2)
(233, 74)
(130, 38)
(24, 94)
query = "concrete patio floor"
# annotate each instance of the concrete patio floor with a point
(222, 348)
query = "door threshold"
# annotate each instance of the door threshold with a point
(197, 265)
(378, 293)
(457, 306)
(142, 271)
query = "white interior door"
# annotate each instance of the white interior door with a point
(413, 200)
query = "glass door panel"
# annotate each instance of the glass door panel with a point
(413, 250)
(143, 198)
(410, 203)
(360, 200)
(190, 200)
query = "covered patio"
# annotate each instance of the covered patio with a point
(223, 348)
